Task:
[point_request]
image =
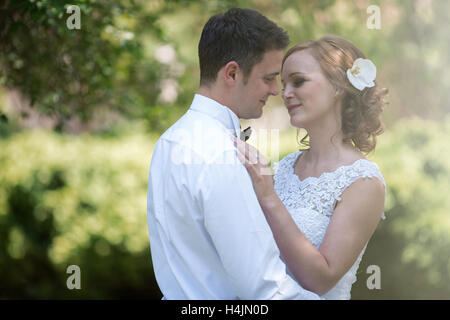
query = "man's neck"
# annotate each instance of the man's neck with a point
(213, 94)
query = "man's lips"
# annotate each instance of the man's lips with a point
(293, 106)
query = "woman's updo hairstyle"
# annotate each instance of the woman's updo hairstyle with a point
(361, 110)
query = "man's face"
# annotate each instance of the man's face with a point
(261, 83)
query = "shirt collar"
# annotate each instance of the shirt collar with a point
(214, 109)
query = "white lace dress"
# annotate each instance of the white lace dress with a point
(311, 204)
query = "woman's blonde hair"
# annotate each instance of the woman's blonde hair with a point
(361, 110)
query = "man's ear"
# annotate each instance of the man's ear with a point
(231, 72)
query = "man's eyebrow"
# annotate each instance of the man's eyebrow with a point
(273, 74)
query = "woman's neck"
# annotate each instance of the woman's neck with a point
(326, 145)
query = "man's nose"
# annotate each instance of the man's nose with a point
(275, 90)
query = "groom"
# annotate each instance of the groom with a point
(209, 238)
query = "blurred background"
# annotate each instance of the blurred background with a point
(81, 109)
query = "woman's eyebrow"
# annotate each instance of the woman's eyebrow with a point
(294, 73)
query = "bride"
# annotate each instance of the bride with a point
(324, 203)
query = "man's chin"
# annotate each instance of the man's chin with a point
(258, 113)
(254, 115)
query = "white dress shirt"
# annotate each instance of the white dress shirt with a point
(208, 235)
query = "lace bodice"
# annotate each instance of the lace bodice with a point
(311, 204)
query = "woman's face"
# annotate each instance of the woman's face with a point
(307, 93)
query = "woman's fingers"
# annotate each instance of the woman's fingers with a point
(263, 160)
(255, 163)
(241, 158)
(250, 153)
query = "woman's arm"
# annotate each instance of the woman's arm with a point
(354, 220)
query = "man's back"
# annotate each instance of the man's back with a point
(185, 261)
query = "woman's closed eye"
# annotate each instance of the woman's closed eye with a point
(298, 82)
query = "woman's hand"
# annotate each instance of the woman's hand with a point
(258, 168)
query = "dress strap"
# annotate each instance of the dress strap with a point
(360, 169)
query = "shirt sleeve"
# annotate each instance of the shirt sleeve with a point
(241, 235)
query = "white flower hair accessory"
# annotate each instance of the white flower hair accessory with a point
(362, 74)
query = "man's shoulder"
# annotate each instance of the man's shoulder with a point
(198, 133)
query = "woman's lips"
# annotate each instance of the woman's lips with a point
(292, 107)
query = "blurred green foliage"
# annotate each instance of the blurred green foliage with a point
(412, 245)
(139, 58)
(66, 73)
(74, 200)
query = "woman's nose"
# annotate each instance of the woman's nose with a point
(287, 94)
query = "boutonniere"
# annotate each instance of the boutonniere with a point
(245, 134)
(362, 74)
